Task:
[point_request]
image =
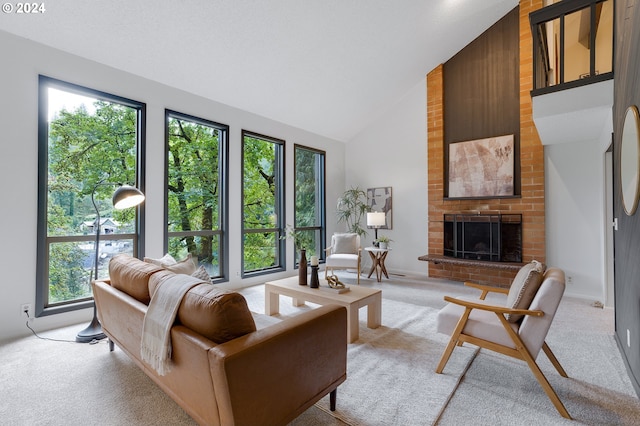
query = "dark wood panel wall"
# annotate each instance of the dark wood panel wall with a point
(627, 238)
(482, 88)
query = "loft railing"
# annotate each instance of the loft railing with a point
(572, 44)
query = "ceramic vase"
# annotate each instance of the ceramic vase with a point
(315, 282)
(302, 268)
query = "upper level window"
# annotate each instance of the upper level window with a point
(89, 142)
(196, 188)
(310, 199)
(573, 44)
(262, 203)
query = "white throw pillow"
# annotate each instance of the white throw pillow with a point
(164, 261)
(345, 243)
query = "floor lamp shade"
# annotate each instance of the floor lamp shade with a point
(124, 197)
(127, 196)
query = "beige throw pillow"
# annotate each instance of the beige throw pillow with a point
(164, 261)
(345, 243)
(185, 266)
(202, 274)
(524, 287)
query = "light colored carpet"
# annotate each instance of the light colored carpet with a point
(54, 383)
(390, 374)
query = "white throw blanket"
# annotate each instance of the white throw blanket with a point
(156, 328)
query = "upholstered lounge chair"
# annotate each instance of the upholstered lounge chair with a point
(517, 328)
(344, 253)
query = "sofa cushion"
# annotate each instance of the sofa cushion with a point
(131, 275)
(216, 314)
(524, 287)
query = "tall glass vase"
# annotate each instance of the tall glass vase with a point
(302, 268)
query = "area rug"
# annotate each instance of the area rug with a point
(391, 375)
(499, 390)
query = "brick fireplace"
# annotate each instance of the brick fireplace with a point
(529, 202)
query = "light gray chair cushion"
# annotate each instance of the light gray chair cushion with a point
(482, 324)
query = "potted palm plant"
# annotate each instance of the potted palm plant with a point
(352, 206)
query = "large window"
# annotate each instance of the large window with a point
(197, 191)
(262, 203)
(89, 142)
(572, 44)
(310, 199)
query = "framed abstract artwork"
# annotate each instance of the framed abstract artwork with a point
(379, 200)
(482, 168)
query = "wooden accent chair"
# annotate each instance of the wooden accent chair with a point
(344, 253)
(517, 328)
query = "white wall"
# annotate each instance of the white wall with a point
(22, 62)
(575, 209)
(393, 152)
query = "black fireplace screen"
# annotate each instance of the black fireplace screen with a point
(489, 237)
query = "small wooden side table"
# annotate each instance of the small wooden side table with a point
(378, 256)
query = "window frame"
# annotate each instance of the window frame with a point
(559, 11)
(279, 207)
(42, 307)
(322, 198)
(223, 173)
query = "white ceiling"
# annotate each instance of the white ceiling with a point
(327, 66)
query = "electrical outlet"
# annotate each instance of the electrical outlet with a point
(628, 338)
(26, 309)
(569, 279)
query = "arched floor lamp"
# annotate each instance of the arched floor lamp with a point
(124, 197)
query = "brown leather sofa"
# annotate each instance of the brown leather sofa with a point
(264, 376)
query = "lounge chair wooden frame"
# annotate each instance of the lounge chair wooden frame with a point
(520, 351)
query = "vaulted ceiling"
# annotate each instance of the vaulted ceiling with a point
(327, 66)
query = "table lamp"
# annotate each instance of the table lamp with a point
(376, 220)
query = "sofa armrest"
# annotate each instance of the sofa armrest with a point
(274, 374)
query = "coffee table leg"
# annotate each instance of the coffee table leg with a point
(353, 325)
(374, 312)
(271, 303)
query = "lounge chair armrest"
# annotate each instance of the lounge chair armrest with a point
(486, 289)
(492, 308)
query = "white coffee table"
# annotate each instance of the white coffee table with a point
(356, 298)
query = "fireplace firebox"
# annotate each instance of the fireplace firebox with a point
(489, 237)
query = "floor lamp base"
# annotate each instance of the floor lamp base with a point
(92, 332)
